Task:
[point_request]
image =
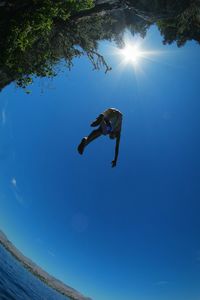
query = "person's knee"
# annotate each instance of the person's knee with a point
(101, 117)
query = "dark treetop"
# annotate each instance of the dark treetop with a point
(37, 35)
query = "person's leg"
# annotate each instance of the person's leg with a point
(86, 140)
(93, 135)
(98, 120)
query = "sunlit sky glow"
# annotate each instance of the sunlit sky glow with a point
(134, 53)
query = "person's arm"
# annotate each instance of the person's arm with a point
(114, 162)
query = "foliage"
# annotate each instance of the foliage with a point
(37, 35)
(41, 35)
(30, 29)
(184, 27)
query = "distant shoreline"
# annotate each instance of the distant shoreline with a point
(39, 272)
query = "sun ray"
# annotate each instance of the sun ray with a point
(134, 54)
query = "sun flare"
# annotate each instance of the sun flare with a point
(135, 54)
(131, 53)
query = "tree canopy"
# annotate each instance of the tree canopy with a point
(37, 35)
(185, 27)
(26, 30)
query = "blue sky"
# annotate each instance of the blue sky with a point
(131, 232)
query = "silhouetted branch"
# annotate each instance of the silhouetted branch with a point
(98, 60)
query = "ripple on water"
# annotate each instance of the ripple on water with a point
(17, 283)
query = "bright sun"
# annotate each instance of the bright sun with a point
(131, 53)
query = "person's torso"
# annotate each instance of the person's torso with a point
(114, 117)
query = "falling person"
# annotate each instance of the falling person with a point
(110, 123)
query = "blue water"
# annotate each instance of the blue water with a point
(16, 283)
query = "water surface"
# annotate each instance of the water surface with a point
(17, 283)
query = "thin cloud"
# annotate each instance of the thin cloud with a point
(19, 198)
(16, 191)
(51, 253)
(3, 117)
(14, 182)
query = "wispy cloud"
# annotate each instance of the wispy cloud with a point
(51, 253)
(19, 198)
(14, 182)
(3, 117)
(40, 243)
(16, 191)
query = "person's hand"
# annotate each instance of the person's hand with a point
(114, 163)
